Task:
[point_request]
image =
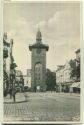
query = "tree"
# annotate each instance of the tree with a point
(12, 77)
(75, 72)
(73, 68)
(50, 80)
(5, 82)
(78, 71)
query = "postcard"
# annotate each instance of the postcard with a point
(42, 60)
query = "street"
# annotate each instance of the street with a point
(42, 107)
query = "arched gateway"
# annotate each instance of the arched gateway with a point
(38, 63)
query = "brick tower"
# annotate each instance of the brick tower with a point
(38, 64)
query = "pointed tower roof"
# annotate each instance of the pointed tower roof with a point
(38, 43)
(38, 36)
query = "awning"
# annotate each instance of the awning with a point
(75, 85)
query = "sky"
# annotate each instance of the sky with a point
(59, 24)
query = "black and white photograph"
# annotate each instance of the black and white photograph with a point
(41, 61)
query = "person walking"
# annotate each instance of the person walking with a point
(10, 93)
(26, 97)
(55, 88)
(14, 93)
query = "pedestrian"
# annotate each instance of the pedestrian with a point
(14, 92)
(14, 97)
(35, 88)
(25, 95)
(55, 89)
(51, 89)
(10, 93)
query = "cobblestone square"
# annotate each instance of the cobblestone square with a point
(43, 107)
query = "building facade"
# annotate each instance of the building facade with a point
(68, 75)
(25, 80)
(6, 62)
(38, 64)
(75, 87)
(8, 66)
(19, 80)
(18, 75)
(63, 77)
(29, 78)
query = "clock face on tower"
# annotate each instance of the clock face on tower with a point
(38, 51)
